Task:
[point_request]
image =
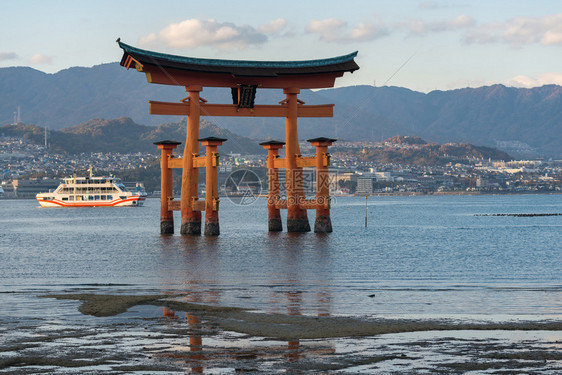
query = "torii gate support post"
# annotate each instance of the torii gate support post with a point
(323, 223)
(274, 213)
(190, 218)
(166, 186)
(297, 219)
(212, 227)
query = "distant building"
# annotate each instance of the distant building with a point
(383, 176)
(364, 185)
(29, 188)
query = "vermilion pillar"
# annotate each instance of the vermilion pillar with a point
(166, 188)
(274, 214)
(323, 223)
(191, 219)
(297, 219)
(212, 185)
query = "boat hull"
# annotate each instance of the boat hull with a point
(132, 201)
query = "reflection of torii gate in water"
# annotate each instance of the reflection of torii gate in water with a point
(243, 77)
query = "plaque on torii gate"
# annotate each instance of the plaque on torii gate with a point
(243, 78)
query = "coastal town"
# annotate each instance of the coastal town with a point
(27, 168)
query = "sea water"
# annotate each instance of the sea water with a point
(415, 259)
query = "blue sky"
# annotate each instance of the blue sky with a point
(421, 45)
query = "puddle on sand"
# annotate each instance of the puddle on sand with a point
(156, 339)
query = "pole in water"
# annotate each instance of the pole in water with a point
(365, 211)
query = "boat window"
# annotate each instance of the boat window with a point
(65, 198)
(110, 197)
(123, 197)
(71, 197)
(90, 197)
(97, 197)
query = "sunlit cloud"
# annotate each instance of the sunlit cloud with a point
(462, 21)
(519, 31)
(336, 30)
(554, 78)
(8, 56)
(148, 40)
(39, 59)
(274, 27)
(192, 33)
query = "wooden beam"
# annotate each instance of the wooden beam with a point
(167, 108)
(279, 163)
(175, 163)
(305, 162)
(199, 162)
(306, 204)
(174, 205)
(170, 76)
(232, 110)
(198, 205)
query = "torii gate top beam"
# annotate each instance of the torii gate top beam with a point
(188, 71)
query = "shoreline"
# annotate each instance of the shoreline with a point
(394, 194)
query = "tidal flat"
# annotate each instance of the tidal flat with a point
(142, 334)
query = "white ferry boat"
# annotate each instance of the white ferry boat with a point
(91, 192)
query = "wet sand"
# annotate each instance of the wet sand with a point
(148, 334)
(287, 327)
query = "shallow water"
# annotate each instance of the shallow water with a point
(420, 259)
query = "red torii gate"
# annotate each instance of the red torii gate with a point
(243, 77)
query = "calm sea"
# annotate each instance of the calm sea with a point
(420, 257)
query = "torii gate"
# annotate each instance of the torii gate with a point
(243, 77)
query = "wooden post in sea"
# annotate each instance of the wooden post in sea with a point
(366, 211)
(273, 213)
(166, 186)
(191, 217)
(212, 227)
(323, 223)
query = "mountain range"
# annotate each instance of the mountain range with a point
(415, 151)
(116, 136)
(123, 135)
(522, 122)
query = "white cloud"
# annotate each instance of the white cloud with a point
(519, 31)
(462, 21)
(192, 33)
(335, 30)
(552, 37)
(8, 56)
(329, 29)
(147, 40)
(274, 27)
(540, 80)
(39, 59)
